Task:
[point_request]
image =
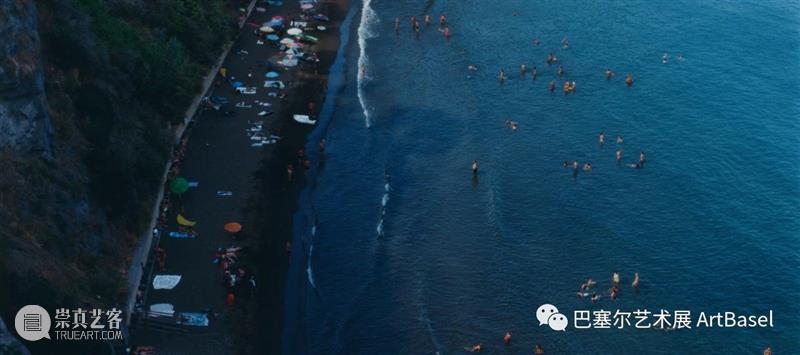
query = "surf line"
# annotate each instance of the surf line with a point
(365, 31)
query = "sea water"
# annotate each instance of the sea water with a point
(411, 254)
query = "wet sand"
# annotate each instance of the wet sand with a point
(219, 156)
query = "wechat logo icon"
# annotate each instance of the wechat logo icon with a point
(549, 314)
(32, 323)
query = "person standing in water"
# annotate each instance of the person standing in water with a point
(474, 168)
(502, 76)
(446, 32)
(560, 71)
(615, 279)
(629, 79)
(552, 85)
(664, 58)
(609, 73)
(641, 158)
(523, 69)
(534, 73)
(601, 139)
(442, 21)
(538, 350)
(619, 156)
(396, 25)
(619, 140)
(635, 282)
(507, 338)
(427, 20)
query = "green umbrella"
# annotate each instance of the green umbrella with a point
(178, 185)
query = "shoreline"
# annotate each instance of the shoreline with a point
(219, 157)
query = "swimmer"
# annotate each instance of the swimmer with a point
(446, 32)
(768, 350)
(536, 41)
(507, 338)
(641, 158)
(588, 284)
(512, 124)
(609, 73)
(664, 58)
(475, 348)
(565, 42)
(619, 156)
(575, 165)
(416, 29)
(550, 58)
(594, 297)
(582, 294)
(560, 71)
(614, 293)
(534, 73)
(565, 164)
(502, 76)
(587, 167)
(635, 166)
(396, 25)
(680, 57)
(619, 140)
(615, 279)
(474, 168)
(442, 20)
(552, 85)
(635, 282)
(538, 350)
(601, 139)
(472, 67)
(523, 69)
(427, 20)
(629, 79)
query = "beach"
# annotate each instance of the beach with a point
(219, 156)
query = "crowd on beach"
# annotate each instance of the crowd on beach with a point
(295, 48)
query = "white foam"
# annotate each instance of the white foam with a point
(365, 31)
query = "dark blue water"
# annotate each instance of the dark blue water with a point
(412, 255)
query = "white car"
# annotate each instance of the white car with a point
(246, 90)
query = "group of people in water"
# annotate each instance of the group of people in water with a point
(417, 28)
(601, 140)
(586, 289)
(569, 86)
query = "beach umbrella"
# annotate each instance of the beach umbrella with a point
(306, 6)
(287, 41)
(272, 74)
(273, 37)
(289, 62)
(178, 185)
(233, 227)
(322, 28)
(294, 31)
(266, 29)
(184, 221)
(237, 84)
(277, 18)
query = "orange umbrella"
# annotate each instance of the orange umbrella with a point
(233, 227)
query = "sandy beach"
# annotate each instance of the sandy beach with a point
(219, 156)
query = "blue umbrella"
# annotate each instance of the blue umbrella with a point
(237, 84)
(272, 74)
(273, 37)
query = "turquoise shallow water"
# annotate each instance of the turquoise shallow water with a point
(428, 259)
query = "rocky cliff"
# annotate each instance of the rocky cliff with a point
(24, 119)
(89, 90)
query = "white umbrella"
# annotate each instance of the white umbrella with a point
(306, 6)
(266, 29)
(287, 41)
(294, 31)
